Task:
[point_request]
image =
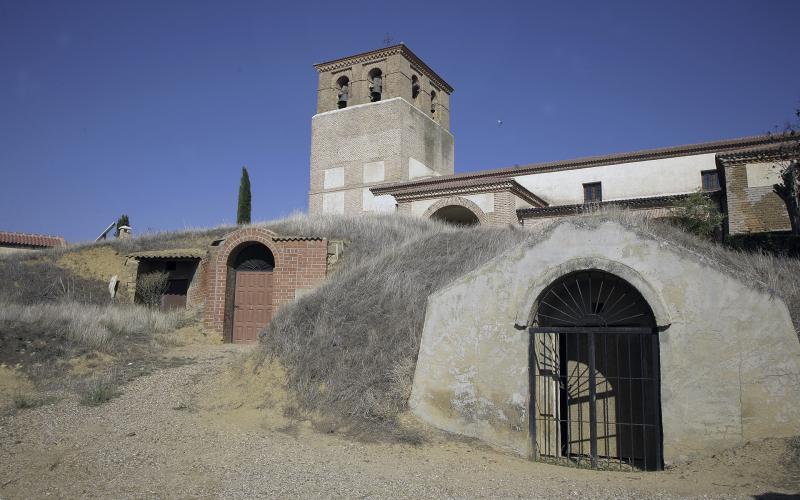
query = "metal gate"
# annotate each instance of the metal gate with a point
(595, 388)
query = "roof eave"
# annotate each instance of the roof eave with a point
(399, 48)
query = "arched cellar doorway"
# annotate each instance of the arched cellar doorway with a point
(595, 388)
(457, 215)
(250, 272)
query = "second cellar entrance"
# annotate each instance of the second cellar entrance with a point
(595, 375)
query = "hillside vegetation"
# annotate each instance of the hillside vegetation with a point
(350, 348)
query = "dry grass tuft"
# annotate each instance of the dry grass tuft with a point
(99, 390)
(89, 326)
(350, 347)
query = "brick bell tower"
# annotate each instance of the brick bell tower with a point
(382, 116)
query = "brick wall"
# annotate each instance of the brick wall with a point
(505, 209)
(196, 295)
(752, 209)
(300, 264)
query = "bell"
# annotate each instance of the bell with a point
(376, 85)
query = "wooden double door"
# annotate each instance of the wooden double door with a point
(252, 304)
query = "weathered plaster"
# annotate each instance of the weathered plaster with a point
(730, 359)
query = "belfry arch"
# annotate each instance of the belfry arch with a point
(595, 377)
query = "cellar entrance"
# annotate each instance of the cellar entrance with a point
(595, 375)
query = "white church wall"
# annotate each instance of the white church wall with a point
(764, 174)
(623, 180)
(334, 177)
(417, 169)
(485, 201)
(419, 207)
(333, 203)
(382, 203)
(374, 172)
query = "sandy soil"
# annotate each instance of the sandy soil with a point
(211, 429)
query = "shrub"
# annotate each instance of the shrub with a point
(23, 401)
(698, 214)
(87, 326)
(122, 221)
(776, 243)
(150, 287)
(27, 281)
(98, 391)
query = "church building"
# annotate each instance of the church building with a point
(381, 142)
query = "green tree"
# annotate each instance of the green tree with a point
(122, 221)
(789, 186)
(243, 209)
(789, 191)
(698, 214)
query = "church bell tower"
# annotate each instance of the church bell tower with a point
(382, 117)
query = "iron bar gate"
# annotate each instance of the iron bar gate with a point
(595, 395)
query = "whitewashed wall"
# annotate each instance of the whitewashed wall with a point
(623, 180)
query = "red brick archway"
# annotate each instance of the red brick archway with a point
(459, 202)
(300, 263)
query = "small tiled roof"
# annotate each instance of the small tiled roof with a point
(171, 253)
(298, 238)
(788, 149)
(455, 185)
(641, 203)
(31, 240)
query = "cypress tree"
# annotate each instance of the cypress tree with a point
(243, 209)
(122, 221)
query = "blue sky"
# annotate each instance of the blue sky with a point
(152, 108)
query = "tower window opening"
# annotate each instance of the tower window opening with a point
(433, 102)
(343, 86)
(414, 87)
(375, 85)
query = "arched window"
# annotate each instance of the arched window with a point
(252, 257)
(433, 102)
(375, 85)
(414, 87)
(343, 89)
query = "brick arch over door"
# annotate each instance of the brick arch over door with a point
(219, 283)
(470, 205)
(300, 265)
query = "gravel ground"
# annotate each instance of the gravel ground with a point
(163, 438)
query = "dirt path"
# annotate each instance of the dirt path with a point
(165, 438)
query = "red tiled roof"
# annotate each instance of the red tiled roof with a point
(31, 240)
(645, 202)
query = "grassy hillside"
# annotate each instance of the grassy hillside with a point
(350, 347)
